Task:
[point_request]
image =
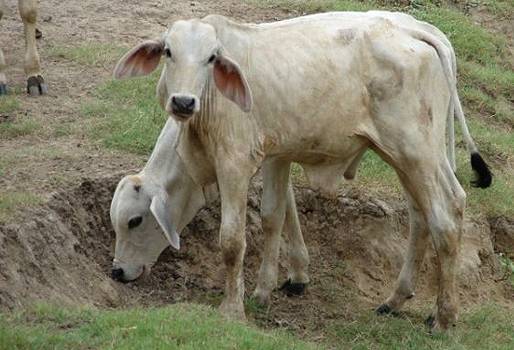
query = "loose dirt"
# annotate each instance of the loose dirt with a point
(62, 253)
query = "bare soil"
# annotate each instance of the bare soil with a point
(62, 254)
(61, 250)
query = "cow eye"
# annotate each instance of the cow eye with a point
(167, 52)
(211, 59)
(135, 222)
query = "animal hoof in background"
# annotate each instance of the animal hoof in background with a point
(36, 86)
(233, 312)
(3, 89)
(293, 288)
(39, 34)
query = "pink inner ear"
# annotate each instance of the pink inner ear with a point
(141, 60)
(231, 84)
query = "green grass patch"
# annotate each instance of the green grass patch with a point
(471, 42)
(508, 266)
(23, 127)
(311, 6)
(8, 104)
(487, 327)
(125, 114)
(89, 53)
(190, 326)
(179, 326)
(10, 201)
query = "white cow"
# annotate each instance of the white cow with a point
(150, 209)
(318, 90)
(35, 83)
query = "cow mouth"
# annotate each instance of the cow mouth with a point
(145, 271)
(181, 117)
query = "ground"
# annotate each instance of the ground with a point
(62, 154)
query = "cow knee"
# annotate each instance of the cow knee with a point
(272, 219)
(233, 246)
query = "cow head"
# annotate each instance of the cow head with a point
(192, 57)
(146, 220)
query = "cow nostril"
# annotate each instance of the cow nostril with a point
(183, 105)
(117, 274)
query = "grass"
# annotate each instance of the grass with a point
(508, 266)
(89, 53)
(179, 326)
(8, 104)
(125, 114)
(26, 126)
(487, 327)
(191, 326)
(10, 201)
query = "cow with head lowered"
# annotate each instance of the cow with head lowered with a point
(149, 209)
(319, 90)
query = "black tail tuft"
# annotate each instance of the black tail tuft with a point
(484, 175)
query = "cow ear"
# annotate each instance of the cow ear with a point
(140, 60)
(232, 83)
(160, 210)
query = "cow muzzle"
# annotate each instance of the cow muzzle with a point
(129, 274)
(182, 106)
(117, 275)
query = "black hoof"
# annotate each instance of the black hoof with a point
(292, 289)
(430, 321)
(39, 34)
(3, 89)
(36, 86)
(383, 309)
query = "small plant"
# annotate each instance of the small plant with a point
(508, 266)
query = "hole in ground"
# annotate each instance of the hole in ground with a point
(63, 251)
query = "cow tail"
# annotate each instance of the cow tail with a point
(479, 166)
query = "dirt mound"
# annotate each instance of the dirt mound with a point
(62, 252)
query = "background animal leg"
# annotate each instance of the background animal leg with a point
(35, 82)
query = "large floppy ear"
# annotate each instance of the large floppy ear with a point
(160, 210)
(232, 83)
(140, 60)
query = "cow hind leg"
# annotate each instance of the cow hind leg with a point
(437, 193)
(35, 83)
(445, 221)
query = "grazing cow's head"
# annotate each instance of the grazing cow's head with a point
(192, 56)
(146, 220)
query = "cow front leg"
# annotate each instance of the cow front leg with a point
(233, 193)
(273, 210)
(35, 83)
(295, 249)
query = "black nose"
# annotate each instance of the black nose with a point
(182, 104)
(117, 275)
